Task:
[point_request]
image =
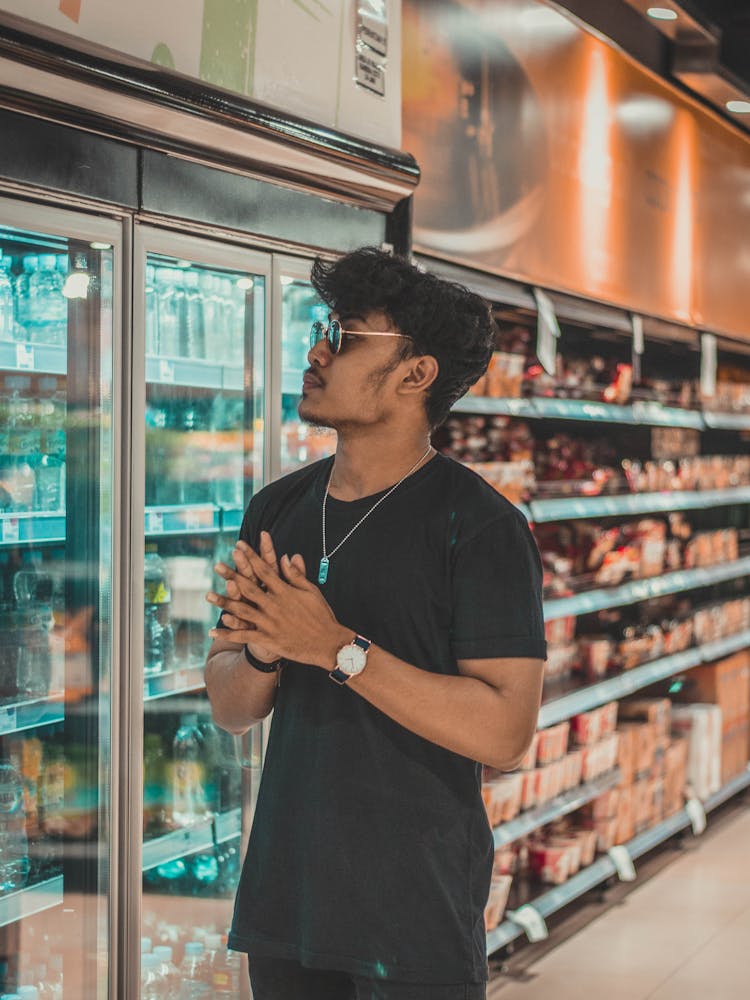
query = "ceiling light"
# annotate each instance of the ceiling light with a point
(245, 284)
(662, 13)
(100, 246)
(739, 107)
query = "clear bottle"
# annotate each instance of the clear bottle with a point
(188, 792)
(55, 976)
(26, 295)
(211, 303)
(167, 311)
(196, 983)
(152, 312)
(50, 483)
(170, 974)
(157, 627)
(14, 848)
(28, 992)
(225, 972)
(154, 778)
(195, 333)
(7, 304)
(151, 980)
(44, 988)
(49, 317)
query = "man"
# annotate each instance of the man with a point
(399, 639)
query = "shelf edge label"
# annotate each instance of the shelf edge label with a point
(696, 814)
(623, 863)
(531, 920)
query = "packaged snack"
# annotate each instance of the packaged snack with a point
(497, 900)
(550, 864)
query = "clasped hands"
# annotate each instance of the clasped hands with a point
(272, 607)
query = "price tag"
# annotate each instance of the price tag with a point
(372, 26)
(369, 73)
(193, 520)
(8, 722)
(9, 529)
(25, 356)
(532, 922)
(697, 815)
(547, 331)
(154, 522)
(708, 364)
(166, 370)
(623, 863)
(637, 324)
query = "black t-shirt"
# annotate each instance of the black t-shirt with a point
(370, 850)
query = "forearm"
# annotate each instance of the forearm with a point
(463, 714)
(240, 695)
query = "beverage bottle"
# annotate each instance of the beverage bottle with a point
(55, 976)
(28, 992)
(157, 628)
(225, 972)
(215, 347)
(26, 295)
(167, 311)
(154, 778)
(170, 974)
(188, 793)
(151, 980)
(195, 333)
(152, 312)
(7, 305)
(49, 316)
(44, 989)
(194, 972)
(14, 851)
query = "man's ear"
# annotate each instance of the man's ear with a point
(421, 374)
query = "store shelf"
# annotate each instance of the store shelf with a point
(200, 836)
(33, 899)
(643, 590)
(231, 518)
(48, 359)
(173, 682)
(561, 805)
(644, 413)
(195, 372)
(603, 868)
(727, 421)
(182, 520)
(31, 714)
(571, 508)
(35, 527)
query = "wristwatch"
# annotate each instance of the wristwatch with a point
(265, 668)
(350, 660)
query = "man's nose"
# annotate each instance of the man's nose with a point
(321, 354)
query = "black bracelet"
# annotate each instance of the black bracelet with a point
(265, 668)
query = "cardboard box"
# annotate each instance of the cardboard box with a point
(701, 725)
(655, 710)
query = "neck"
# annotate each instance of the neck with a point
(366, 464)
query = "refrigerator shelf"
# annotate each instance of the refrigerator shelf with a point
(644, 413)
(46, 359)
(31, 714)
(642, 590)
(176, 519)
(172, 682)
(198, 373)
(30, 900)
(626, 683)
(603, 868)
(32, 527)
(727, 421)
(567, 508)
(561, 805)
(187, 840)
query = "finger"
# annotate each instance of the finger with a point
(239, 609)
(267, 551)
(294, 575)
(243, 588)
(239, 635)
(241, 561)
(224, 571)
(240, 625)
(299, 562)
(267, 577)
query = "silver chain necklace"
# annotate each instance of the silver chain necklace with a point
(327, 556)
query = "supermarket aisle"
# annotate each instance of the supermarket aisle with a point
(682, 935)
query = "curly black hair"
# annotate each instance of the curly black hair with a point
(443, 318)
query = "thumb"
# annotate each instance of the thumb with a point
(294, 571)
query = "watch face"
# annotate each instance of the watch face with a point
(352, 660)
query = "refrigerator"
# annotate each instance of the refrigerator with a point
(148, 388)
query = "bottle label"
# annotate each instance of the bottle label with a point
(157, 592)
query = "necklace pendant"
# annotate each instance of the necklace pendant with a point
(323, 570)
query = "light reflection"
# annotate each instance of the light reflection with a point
(595, 170)
(684, 222)
(642, 113)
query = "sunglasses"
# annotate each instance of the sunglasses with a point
(334, 334)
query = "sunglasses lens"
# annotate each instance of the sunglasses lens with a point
(317, 333)
(334, 336)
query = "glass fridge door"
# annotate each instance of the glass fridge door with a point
(298, 305)
(203, 309)
(59, 299)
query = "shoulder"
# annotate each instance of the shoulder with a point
(267, 502)
(474, 502)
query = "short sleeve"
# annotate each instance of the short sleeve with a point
(497, 592)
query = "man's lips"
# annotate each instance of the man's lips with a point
(311, 382)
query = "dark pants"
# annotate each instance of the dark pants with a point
(279, 979)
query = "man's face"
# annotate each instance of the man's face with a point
(356, 387)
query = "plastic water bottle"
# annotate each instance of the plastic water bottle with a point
(49, 316)
(152, 312)
(225, 972)
(195, 333)
(55, 976)
(14, 848)
(210, 302)
(195, 983)
(188, 793)
(25, 294)
(170, 974)
(44, 989)
(168, 311)
(151, 980)
(157, 628)
(7, 310)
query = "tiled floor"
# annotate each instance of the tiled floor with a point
(682, 935)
